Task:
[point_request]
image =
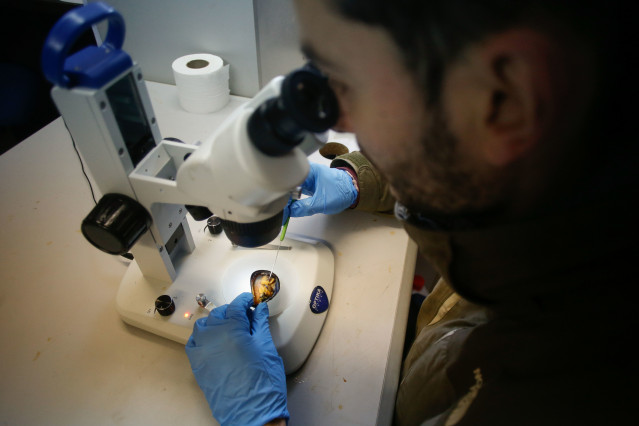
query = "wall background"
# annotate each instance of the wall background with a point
(277, 38)
(25, 101)
(258, 38)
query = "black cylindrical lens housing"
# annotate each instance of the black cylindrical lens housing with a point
(253, 234)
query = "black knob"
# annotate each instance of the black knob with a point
(116, 223)
(165, 305)
(214, 224)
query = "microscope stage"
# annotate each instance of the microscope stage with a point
(220, 271)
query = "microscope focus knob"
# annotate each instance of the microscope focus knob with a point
(214, 224)
(116, 223)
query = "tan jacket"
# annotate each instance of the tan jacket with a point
(541, 323)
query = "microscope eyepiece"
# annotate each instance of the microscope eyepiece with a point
(306, 104)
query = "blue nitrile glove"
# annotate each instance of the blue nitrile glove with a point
(236, 364)
(331, 191)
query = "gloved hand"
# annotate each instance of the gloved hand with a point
(331, 191)
(236, 364)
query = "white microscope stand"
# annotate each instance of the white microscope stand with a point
(221, 272)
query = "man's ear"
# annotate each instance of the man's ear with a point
(517, 94)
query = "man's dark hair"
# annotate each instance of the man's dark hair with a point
(432, 33)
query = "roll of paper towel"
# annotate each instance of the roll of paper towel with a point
(202, 82)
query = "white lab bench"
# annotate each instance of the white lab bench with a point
(68, 359)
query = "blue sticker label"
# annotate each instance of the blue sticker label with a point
(319, 300)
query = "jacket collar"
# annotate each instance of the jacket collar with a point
(535, 264)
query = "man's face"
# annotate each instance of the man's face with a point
(411, 145)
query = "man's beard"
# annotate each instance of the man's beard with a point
(437, 179)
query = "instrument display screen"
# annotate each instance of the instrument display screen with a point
(129, 114)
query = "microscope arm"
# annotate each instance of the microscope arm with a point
(243, 172)
(226, 174)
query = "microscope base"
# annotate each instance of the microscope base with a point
(221, 272)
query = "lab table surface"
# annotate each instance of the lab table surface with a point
(68, 359)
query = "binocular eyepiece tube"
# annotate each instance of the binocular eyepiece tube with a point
(306, 104)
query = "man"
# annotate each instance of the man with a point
(498, 128)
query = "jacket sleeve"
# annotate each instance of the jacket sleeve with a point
(374, 194)
(425, 390)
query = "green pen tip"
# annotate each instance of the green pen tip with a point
(284, 228)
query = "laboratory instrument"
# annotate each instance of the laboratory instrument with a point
(155, 189)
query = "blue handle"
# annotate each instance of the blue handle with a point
(92, 66)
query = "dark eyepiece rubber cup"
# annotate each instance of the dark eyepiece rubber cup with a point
(306, 105)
